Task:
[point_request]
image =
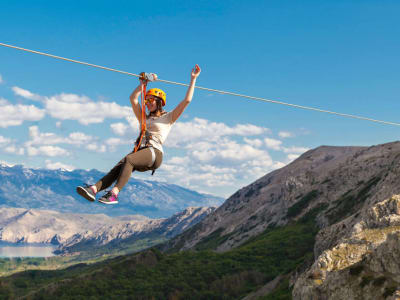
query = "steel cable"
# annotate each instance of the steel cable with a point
(208, 89)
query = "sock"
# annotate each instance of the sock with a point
(115, 190)
(94, 189)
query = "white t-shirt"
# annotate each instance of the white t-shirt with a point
(159, 128)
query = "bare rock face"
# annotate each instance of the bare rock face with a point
(364, 263)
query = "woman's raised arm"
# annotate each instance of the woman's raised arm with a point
(189, 95)
(134, 97)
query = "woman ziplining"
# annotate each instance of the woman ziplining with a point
(148, 152)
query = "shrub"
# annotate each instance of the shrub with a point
(298, 207)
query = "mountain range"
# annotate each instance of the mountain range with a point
(55, 190)
(70, 231)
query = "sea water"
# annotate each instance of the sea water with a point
(26, 250)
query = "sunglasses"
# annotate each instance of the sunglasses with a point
(149, 100)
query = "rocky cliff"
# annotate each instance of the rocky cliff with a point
(363, 264)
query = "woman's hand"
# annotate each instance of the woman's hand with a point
(146, 77)
(196, 71)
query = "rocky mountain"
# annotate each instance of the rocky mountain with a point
(67, 230)
(337, 180)
(56, 190)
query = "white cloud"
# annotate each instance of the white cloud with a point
(26, 94)
(58, 165)
(4, 141)
(179, 160)
(79, 138)
(278, 165)
(201, 129)
(83, 110)
(96, 147)
(1, 79)
(76, 107)
(14, 115)
(113, 143)
(119, 128)
(208, 165)
(8, 146)
(273, 144)
(293, 149)
(51, 151)
(38, 138)
(71, 98)
(3, 102)
(255, 142)
(48, 138)
(285, 134)
(58, 124)
(14, 150)
(292, 157)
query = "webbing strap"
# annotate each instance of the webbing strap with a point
(144, 85)
(153, 157)
(143, 121)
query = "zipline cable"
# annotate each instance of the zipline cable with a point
(208, 89)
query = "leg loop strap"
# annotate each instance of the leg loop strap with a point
(153, 157)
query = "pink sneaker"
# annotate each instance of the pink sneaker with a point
(109, 198)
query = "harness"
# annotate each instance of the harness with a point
(143, 140)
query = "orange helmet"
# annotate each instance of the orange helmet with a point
(158, 93)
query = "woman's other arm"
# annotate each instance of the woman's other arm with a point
(189, 95)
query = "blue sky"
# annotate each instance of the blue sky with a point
(335, 55)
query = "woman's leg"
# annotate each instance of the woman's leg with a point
(139, 160)
(110, 177)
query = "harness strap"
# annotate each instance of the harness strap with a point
(143, 128)
(153, 157)
(143, 122)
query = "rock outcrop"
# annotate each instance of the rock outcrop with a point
(364, 263)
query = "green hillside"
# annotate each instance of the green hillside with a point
(152, 274)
